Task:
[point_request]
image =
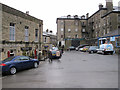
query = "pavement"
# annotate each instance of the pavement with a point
(74, 70)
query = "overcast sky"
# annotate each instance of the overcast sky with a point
(49, 10)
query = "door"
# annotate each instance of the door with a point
(26, 62)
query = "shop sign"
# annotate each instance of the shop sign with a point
(26, 48)
(112, 38)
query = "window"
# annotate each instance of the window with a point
(76, 23)
(83, 30)
(45, 39)
(108, 30)
(61, 29)
(118, 42)
(118, 18)
(76, 36)
(104, 32)
(83, 23)
(24, 58)
(118, 27)
(62, 22)
(12, 31)
(96, 34)
(69, 30)
(36, 34)
(17, 59)
(61, 36)
(26, 34)
(76, 29)
(69, 36)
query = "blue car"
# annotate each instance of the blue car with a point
(15, 63)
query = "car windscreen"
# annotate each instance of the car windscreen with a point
(55, 48)
(93, 47)
(8, 59)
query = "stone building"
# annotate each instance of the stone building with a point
(71, 30)
(21, 33)
(49, 39)
(97, 28)
(104, 25)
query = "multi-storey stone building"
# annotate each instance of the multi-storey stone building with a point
(49, 39)
(21, 33)
(101, 26)
(104, 25)
(71, 30)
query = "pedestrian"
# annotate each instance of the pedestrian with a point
(62, 49)
(50, 56)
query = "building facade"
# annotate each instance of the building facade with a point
(71, 30)
(94, 29)
(21, 33)
(49, 39)
(104, 25)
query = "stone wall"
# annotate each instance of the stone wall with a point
(21, 20)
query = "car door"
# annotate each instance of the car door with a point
(18, 63)
(27, 63)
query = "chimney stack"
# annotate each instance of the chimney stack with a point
(83, 17)
(87, 15)
(76, 16)
(50, 31)
(68, 16)
(100, 6)
(27, 12)
(47, 30)
(109, 5)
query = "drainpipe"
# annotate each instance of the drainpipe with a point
(98, 42)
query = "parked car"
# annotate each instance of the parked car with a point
(93, 49)
(56, 53)
(71, 48)
(81, 46)
(105, 49)
(85, 48)
(15, 63)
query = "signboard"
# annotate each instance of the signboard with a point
(26, 48)
(112, 38)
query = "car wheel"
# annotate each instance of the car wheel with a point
(35, 65)
(104, 53)
(91, 51)
(13, 70)
(111, 53)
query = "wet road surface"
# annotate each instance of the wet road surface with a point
(73, 70)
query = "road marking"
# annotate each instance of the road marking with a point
(3, 77)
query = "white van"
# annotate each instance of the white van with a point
(105, 49)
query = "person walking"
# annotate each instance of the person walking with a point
(62, 49)
(50, 56)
